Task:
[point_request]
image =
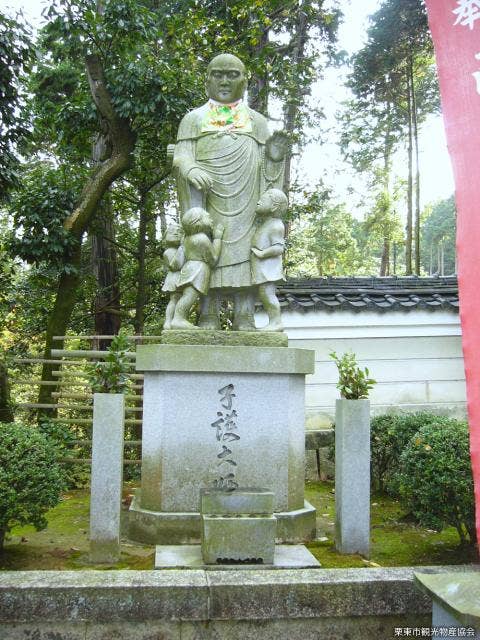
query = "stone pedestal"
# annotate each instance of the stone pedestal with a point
(107, 475)
(223, 416)
(352, 476)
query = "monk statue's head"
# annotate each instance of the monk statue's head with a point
(226, 78)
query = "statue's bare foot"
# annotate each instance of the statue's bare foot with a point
(209, 325)
(272, 326)
(243, 324)
(167, 325)
(182, 324)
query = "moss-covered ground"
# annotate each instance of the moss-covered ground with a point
(395, 540)
(64, 543)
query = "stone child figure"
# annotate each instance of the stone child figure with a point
(173, 258)
(224, 159)
(268, 245)
(201, 254)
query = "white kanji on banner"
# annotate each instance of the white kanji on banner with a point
(467, 12)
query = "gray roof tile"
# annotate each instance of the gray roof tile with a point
(370, 293)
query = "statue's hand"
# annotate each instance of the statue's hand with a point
(257, 252)
(218, 231)
(277, 146)
(199, 179)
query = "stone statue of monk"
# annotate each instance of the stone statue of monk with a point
(224, 159)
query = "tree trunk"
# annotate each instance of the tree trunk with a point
(472, 534)
(385, 261)
(105, 270)
(293, 101)
(121, 146)
(57, 325)
(417, 168)
(141, 296)
(409, 234)
(6, 411)
(163, 219)
(104, 263)
(258, 85)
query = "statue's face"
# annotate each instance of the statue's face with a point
(264, 205)
(226, 82)
(173, 235)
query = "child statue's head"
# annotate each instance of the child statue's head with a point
(197, 220)
(173, 235)
(273, 203)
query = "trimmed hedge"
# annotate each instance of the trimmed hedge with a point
(30, 478)
(435, 481)
(390, 434)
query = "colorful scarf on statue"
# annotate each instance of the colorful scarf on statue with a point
(226, 117)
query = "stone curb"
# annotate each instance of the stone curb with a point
(196, 595)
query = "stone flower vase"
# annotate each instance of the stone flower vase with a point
(352, 476)
(107, 476)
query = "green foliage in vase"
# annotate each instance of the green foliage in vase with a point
(354, 383)
(30, 478)
(111, 375)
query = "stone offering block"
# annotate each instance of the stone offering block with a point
(237, 526)
(248, 501)
(238, 539)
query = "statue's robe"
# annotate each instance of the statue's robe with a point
(234, 160)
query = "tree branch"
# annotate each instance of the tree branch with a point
(122, 140)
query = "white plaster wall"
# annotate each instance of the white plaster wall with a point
(415, 356)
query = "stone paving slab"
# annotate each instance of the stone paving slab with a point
(189, 556)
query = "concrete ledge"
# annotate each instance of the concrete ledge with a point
(139, 605)
(212, 358)
(300, 604)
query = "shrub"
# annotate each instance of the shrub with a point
(436, 478)
(353, 383)
(30, 478)
(389, 435)
(77, 476)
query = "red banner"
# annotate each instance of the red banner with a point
(455, 27)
